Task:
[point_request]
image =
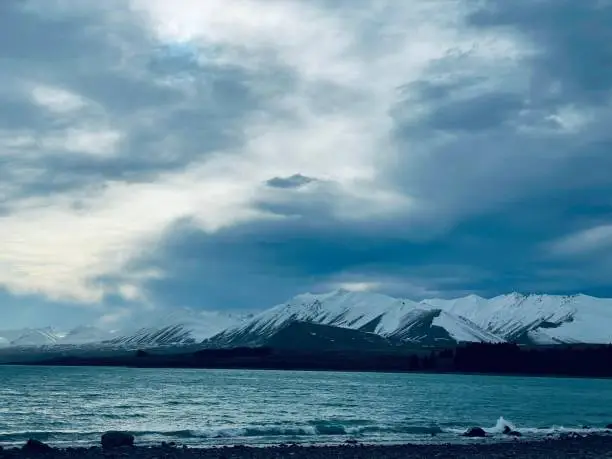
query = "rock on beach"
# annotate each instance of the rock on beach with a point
(116, 439)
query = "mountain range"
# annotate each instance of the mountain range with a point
(345, 318)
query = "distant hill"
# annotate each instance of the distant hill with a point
(306, 336)
(180, 327)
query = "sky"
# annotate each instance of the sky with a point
(230, 155)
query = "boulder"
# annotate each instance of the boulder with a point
(115, 439)
(512, 433)
(35, 446)
(475, 432)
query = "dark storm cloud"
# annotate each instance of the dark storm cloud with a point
(489, 254)
(294, 181)
(573, 39)
(476, 113)
(504, 146)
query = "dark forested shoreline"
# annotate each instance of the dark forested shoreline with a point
(566, 360)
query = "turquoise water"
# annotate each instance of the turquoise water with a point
(210, 407)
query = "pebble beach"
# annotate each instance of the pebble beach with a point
(591, 447)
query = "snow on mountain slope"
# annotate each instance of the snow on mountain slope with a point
(161, 328)
(341, 308)
(507, 315)
(540, 337)
(10, 335)
(417, 326)
(589, 321)
(49, 336)
(357, 310)
(464, 330)
(179, 327)
(86, 334)
(33, 337)
(365, 311)
(542, 319)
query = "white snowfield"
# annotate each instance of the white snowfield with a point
(539, 319)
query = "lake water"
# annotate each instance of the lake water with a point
(210, 407)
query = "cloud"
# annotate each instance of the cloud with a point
(294, 181)
(570, 36)
(427, 147)
(57, 99)
(358, 286)
(114, 319)
(481, 112)
(92, 141)
(584, 242)
(60, 246)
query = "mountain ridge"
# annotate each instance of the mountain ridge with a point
(525, 319)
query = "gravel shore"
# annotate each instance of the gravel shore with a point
(594, 447)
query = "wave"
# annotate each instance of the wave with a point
(46, 436)
(312, 429)
(533, 432)
(317, 428)
(317, 431)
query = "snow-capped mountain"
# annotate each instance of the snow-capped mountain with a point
(533, 319)
(389, 317)
(48, 336)
(36, 338)
(524, 319)
(28, 337)
(540, 319)
(153, 328)
(179, 327)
